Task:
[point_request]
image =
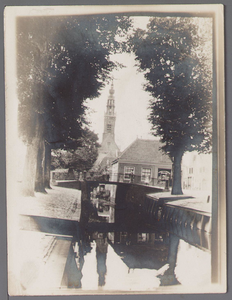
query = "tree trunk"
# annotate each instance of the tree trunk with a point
(39, 181)
(84, 204)
(176, 184)
(29, 172)
(47, 166)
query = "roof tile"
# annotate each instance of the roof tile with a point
(146, 151)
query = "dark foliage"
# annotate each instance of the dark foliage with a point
(80, 159)
(61, 62)
(180, 82)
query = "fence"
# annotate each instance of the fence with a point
(131, 178)
(116, 177)
(63, 175)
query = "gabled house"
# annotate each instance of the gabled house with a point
(141, 162)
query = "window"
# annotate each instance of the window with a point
(108, 127)
(189, 182)
(128, 171)
(190, 170)
(142, 237)
(146, 174)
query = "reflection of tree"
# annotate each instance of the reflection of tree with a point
(101, 252)
(141, 250)
(169, 278)
(75, 261)
(72, 274)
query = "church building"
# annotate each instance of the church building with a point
(109, 149)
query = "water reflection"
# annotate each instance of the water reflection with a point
(116, 249)
(134, 261)
(101, 253)
(102, 203)
(169, 276)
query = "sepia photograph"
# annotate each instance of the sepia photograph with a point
(115, 149)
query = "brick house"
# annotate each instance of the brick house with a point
(140, 162)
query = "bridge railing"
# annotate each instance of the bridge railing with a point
(138, 179)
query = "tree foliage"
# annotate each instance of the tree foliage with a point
(169, 54)
(61, 62)
(80, 159)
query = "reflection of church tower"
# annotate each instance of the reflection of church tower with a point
(108, 150)
(101, 254)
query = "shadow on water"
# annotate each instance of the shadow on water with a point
(49, 225)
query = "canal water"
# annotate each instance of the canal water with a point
(118, 249)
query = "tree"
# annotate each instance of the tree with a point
(181, 85)
(61, 61)
(79, 159)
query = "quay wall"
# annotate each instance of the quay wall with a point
(133, 200)
(158, 210)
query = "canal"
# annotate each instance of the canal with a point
(118, 248)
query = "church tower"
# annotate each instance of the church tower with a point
(108, 150)
(108, 143)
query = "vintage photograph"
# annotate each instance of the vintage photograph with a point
(115, 144)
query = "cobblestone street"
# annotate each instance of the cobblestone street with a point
(59, 202)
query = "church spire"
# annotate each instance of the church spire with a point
(110, 103)
(110, 117)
